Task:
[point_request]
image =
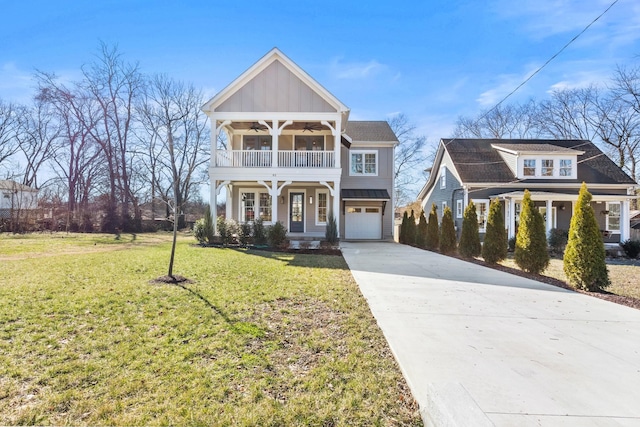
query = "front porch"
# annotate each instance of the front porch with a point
(611, 212)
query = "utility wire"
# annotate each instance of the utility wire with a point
(548, 61)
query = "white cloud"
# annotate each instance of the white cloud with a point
(507, 83)
(357, 70)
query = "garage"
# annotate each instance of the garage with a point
(363, 222)
(363, 211)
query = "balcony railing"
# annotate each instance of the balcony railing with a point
(264, 159)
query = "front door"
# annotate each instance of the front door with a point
(296, 212)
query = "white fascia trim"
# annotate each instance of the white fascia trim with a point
(271, 115)
(530, 185)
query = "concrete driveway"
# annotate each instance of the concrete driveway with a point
(482, 347)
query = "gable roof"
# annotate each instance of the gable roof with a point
(370, 131)
(262, 64)
(477, 160)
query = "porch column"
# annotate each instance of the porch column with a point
(275, 133)
(274, 199)
(549, 216)
(337, 144)
(336, 204)
(512, 218)
(625, 225)
(228, 206)
(213, 202)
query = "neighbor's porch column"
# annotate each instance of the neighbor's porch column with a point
(625, 225)
(549, 216)
(337, 148)
(512, 218)
(274, 198)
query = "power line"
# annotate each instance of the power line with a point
(547, 62)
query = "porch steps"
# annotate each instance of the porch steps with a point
(304, 244)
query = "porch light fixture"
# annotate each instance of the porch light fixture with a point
(310, 200)
(282, 200)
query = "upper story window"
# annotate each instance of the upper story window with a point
(566, 165)
(256, 142)
(547, 167)
(529, 168)
(443, 177)
(363, 163)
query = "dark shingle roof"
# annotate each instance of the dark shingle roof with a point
(477, 161)
(375, 131)
(364, 194)
(536, 148)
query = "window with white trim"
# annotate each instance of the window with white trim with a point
(256, 142)
(613, 216)
(482, 212)
(322, 207)
(566, 165)
(443, 177)
(529, 168)
(363, 162)
(255, 204)
(444, 206)
(547, 167)
(459, 210)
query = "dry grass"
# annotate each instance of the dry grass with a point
(257, 338)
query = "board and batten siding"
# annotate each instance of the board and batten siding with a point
(276, 89)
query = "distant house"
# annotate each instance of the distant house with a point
(16, 197)
(480, 170)
(294, 156)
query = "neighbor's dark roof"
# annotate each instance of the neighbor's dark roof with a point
(375, 131)
(536, 148)
(364, 194)
(477, 161)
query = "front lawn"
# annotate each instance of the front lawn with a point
(258, 338)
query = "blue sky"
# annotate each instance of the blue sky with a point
(432, 60)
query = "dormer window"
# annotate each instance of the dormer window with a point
(565, 167)
(529, 167)
(547, 167)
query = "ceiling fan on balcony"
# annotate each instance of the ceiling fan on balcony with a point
(257, 127)
(311, 127)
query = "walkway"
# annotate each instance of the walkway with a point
(482, 347)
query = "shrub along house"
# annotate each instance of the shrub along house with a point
(479, 170)
(293, 155)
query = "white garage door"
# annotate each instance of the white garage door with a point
(363, 223)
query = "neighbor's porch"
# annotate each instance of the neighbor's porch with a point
(611, 212)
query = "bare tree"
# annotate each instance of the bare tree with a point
(175, 130)
(9, 126)
(410, 158)
(503, 121)
(569, 114)
(38, 133)
(114, 86)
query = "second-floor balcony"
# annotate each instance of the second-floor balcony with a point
(266, 159)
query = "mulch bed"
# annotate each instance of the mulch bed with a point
(608, 296)
(171, 280)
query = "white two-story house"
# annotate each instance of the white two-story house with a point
(293, 156)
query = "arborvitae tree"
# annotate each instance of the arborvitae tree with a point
(433, 238)
(421, 236)
(531, 253)
(584, 257)
(411, 229)
(495, 244)
(469, 245)
(403, 228)
(447, 233)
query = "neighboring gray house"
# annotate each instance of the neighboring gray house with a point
(16, 197)
(293, 155)
(552, 170)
